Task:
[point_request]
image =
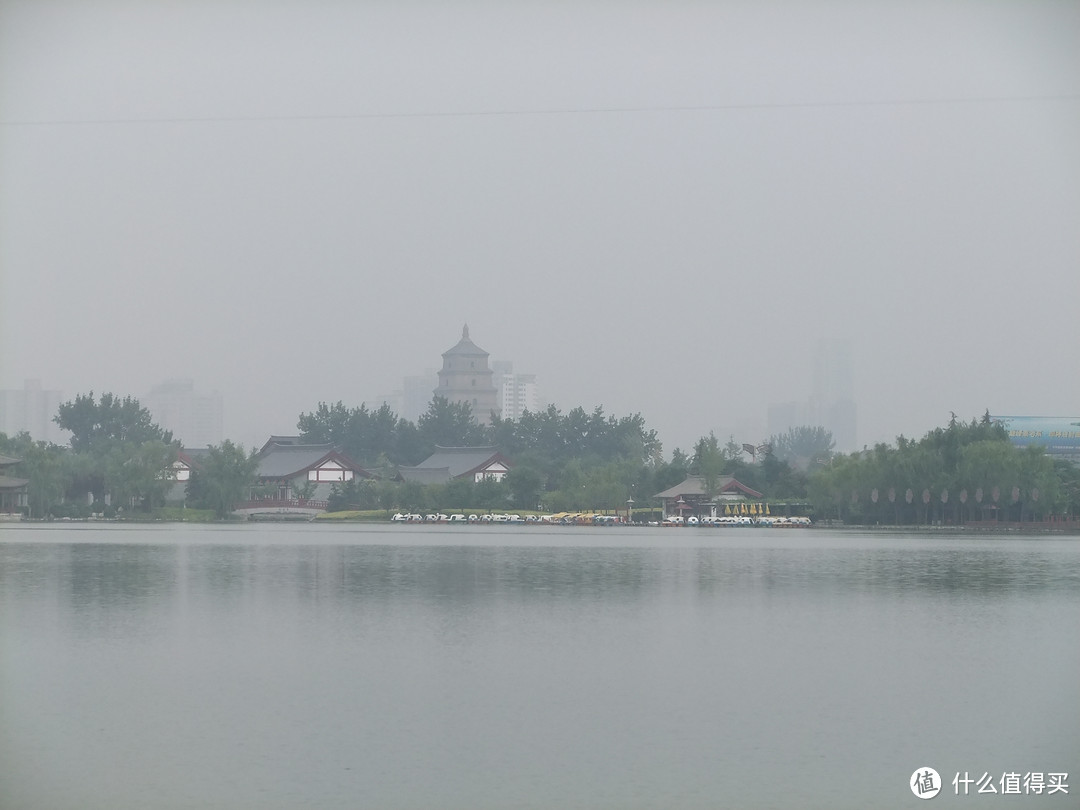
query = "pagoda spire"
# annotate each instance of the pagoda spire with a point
(465, 332)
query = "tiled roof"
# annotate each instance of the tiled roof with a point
(286, 460)
(462, 460)
(425, 475)
(282, 440)
(193, 455)
(694, 485)
(466, 346)
(7, 482)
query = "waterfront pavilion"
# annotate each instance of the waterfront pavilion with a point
(692, 498)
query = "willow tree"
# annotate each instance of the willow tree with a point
(222, 478)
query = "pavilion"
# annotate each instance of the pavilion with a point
(13, 491)
(691, 498)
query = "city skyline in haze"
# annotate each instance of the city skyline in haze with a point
(656, 208)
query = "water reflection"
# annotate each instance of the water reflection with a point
(98, 579)
(750, 670)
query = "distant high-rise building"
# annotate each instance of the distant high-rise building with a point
(782, 416)
(32, 410)
(194, 419)
(832, 403)
(517, 392)
(391, 400)
(466, 377)
(416, 395)
(834, 376)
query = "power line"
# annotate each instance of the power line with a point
(555, 111)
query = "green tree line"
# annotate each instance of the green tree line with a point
(956, 474)
(119, 460)
(562, 461)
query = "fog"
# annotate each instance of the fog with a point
(654, 207)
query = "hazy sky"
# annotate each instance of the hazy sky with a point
(654, 207)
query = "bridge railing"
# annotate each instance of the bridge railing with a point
(284, 503)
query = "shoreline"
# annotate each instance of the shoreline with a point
(1070, 528)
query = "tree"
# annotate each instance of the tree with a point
(302, 487)
(362, 434)
(524, 484)
(450, 424)
(708, 462)
(669, 474)
(109, 419)
(45, 466)
(459, 493)
(949, 472)
(118, 451)
(781, 479)
(410, 448)
(490, 494)
(223, 478)
(804, 447)
(357, 493)
(607, 487)
(1068, 476)
(139, 475)
(412, 496)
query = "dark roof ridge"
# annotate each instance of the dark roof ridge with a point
(466, 346)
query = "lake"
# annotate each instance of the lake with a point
(416, 667)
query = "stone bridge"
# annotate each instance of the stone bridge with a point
(281, 509)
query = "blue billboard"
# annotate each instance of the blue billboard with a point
(1059, 435)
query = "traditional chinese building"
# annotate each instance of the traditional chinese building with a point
(14, 496)
(286, 464)
(467, 377)
(187, 460)
(692, 498)
(446, 463)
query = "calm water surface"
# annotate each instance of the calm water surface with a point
(410, 668)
